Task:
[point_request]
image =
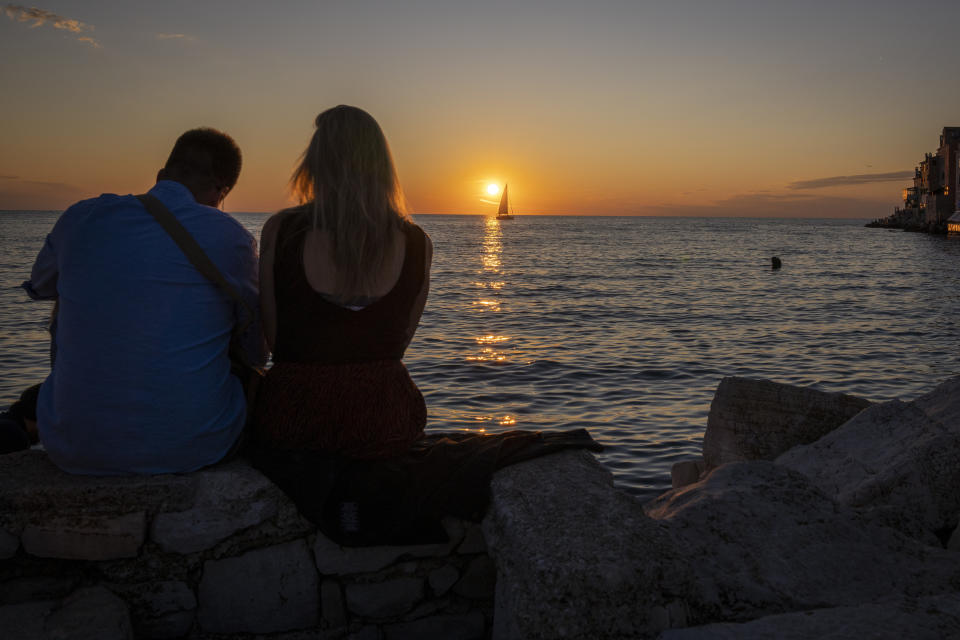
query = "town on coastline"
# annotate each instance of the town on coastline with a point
(931, 203)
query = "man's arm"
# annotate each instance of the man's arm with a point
(42, 284)
(251, 340)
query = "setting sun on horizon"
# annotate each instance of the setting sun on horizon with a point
(689, 109)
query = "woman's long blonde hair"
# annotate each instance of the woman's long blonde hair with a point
(347, 181)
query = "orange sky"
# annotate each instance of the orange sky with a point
(611, 109)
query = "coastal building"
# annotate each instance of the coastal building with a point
(953, 224)
(933, 200)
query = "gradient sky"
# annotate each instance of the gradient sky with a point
(650, 108)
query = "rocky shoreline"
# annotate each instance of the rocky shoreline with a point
(809, 515)
(896, 221)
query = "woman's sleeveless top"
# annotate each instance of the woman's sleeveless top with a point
(338, 385)
(310, 328)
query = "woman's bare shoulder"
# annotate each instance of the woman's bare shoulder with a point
(272, 225)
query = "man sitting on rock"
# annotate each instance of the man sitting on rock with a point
(141, 380)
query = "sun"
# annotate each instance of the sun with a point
(493, 189)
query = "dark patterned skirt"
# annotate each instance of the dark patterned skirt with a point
(363, 410)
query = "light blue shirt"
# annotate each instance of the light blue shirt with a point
(141, 382)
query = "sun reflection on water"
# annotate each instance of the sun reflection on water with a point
(490, 283)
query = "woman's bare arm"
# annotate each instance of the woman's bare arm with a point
(268, 304)
(417, 310)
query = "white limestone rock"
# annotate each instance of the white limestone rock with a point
(928, 618)
(160, 609)
(575, 557)
(24, 621)
(686, 472)
(87, 613)
(30, 588)
(765, 541)
(760, 419)
(86, 537)
(469, 626)
(331, 605)
(263, 591)
(898, 463)
(334, 560)
(229, 498)
(31, 484)
(943, 402)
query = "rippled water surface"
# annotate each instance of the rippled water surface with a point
(626, 325)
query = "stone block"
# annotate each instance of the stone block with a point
(229, 498)
(479, 580)
(469, 626)
(686, 472)
(163, 609)
(263, 591)
(9, 544)
(334, 560)
(90, 613)
(575, 557)
(35, 588)
(24, 621)
(442, 579)
(763, 539)
(473, 540)
(370, 632)
(932, 617)
(943, 402)
(894, 462)
(760, 419)
(384, 599)
(83, 537)
(331, 605)
(31, 484)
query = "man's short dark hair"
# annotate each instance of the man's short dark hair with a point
(206, 153)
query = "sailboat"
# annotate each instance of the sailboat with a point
(503, 213)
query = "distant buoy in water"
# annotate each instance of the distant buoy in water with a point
(775, 261)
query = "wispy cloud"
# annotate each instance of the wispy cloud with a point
(837, 181)
(19, 193)
(175, 36)
(775, 205)
(39, 17)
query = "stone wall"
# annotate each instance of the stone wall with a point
(217, 552)
(851, 530)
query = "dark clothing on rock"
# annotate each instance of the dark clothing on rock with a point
(401, 500)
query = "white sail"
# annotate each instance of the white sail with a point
(504, 209)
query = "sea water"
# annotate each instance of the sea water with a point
(624, 325)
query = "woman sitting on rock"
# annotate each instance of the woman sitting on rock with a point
(343, 281)
(338, 422)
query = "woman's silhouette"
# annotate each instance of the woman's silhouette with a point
(343, 280)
